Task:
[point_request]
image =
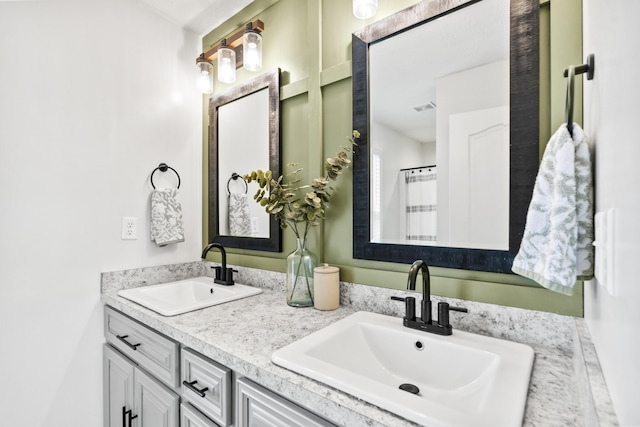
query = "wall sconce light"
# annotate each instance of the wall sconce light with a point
(205, 75)
(252, 45)
(365, 9)
(242, 48)
(226, 63)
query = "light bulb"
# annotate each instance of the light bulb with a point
(204, 81)
(226, 64)
(252, 46)
(365, 9)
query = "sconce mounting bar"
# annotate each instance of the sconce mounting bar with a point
(234, 41)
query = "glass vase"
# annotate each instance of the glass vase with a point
(300, 265)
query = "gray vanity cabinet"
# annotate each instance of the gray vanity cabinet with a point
(134, 398)
(259, 407)
(150, 381)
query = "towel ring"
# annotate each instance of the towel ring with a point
(163, 168)
(235, 176)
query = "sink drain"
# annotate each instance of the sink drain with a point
(410, 388)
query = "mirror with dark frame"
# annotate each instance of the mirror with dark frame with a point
(244, 135)
(490, 124)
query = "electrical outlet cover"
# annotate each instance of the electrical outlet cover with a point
(129, 228)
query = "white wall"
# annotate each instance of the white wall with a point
(93, 96)
(611, 112)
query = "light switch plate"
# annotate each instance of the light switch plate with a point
(604, 228)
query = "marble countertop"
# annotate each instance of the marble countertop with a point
(243, 334)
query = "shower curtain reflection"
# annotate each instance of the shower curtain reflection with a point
(420, 205)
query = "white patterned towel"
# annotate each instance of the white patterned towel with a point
(166, 217)
(239, 215)
(556, 248)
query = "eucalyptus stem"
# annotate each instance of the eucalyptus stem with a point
(292, 203)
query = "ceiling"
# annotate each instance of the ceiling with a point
(199, 16)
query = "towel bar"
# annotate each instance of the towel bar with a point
(163, 167)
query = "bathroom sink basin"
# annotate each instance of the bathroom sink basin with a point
(170, 299)
(461, 380)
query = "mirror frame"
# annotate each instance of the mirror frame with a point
(524, 136)
(271, 81)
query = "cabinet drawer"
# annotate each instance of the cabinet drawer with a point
(154, 352)
(190, 417)
(207, 386)
(257, 406)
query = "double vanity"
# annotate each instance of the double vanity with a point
(230, 349)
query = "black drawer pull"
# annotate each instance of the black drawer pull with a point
(192, 388)
(123, 339)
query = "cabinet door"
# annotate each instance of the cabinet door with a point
(153, 403)
(118, 387)
(259, 407)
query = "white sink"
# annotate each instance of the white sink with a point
(463, 379)
(170, 299)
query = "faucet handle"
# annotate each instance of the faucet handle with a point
(443, 313)
(229, 276)
(409, 307)
(218, 270)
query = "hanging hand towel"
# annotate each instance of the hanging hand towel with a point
(556, 248)
(166, 217)
(239, 216)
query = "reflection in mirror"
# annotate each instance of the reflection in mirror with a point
(445, 96)
(243, 145)
(439, 136)
(244, 136)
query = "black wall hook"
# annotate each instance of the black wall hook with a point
(163, 167)
(588, 68)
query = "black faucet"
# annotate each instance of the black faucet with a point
(425, 323)
(224, 275)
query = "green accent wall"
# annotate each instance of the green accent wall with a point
(310, 41)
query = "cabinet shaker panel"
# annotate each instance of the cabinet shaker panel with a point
(206, 384)
(154, 403)
(259, 407)
(190, 417)
(117, 386)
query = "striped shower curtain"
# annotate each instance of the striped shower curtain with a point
(421, 204)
